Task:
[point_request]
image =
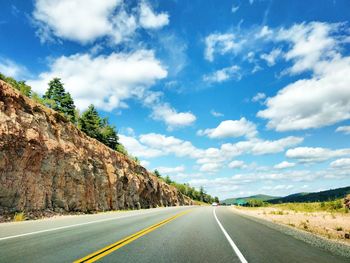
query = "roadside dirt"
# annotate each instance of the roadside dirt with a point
(334, 226)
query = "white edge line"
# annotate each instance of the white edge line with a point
(233, 245)
(75, 225)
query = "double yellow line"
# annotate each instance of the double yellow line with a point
(113, 247)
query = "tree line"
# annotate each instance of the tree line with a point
(94, 126)
(186, 189)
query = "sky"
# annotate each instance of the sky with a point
(240, 97)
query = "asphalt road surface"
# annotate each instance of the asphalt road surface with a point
(177, 234)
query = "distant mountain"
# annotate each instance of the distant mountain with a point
(313, 197)
(244, 200)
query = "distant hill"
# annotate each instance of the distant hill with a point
(313, 197)
(244, 200)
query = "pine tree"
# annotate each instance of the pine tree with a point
(59, 100)
(109, 135)
(90, 123)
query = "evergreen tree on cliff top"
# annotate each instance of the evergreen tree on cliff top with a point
(59, 100)
(90, 123)
(93, 125)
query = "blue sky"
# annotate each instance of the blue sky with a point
(241, 97)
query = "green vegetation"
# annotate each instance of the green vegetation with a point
(19, 85)
(59, 100)
(244, 200)
(328, 206)
(328, 195)
(188, 190)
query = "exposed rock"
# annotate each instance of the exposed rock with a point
(46, 163)
(347, 201)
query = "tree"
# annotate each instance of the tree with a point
(168, 180)
(120, 148)
(216, 199)
(108, 134)
(201, 193)
(68, 107)
(90, 122)
(59, 100)
(157, 173)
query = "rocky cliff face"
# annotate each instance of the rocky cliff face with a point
(47, 164)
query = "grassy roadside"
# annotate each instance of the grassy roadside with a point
(328, 219)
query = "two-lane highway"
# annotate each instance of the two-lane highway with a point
(177, 234)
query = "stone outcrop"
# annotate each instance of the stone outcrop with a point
(47, 164)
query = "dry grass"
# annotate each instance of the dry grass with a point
(19, 217)
(333, 224)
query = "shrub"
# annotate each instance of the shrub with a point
(19, 217)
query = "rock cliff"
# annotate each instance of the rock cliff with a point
(47, 164)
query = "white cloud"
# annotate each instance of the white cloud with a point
(284, 165)
(315, 154)
(150, 20)
(90, 19)
(170, 144)
(172, 118)
(322, 100)
(105, 81)
(271, 57)
(93, 19)
(216, 113)
(234, 8)
(236, 164)
(210, 167)
(134, 147)
(341, 163)
(223, 74)
(258, 97)
(12, 69)
(265, 32)
(261, 147)
(343, 129)
(222, 44)
(171, 170)
(145, 163)
(231, 128)
(311, 42)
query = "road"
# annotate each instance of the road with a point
(176, 234)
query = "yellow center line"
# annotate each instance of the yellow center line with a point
(113, 247)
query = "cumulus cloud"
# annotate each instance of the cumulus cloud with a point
(93, 19)
(315, 154)
(323, 99)
(210, 167)
(223, 75)
(106, 81)
(222, 44)
(231, 128)
(137, 149)
(173, 119)
(341, 163)
(171, 170)
(236, 164)
(148, 19)
(284, 165)
(343, 129)
(12, 69)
